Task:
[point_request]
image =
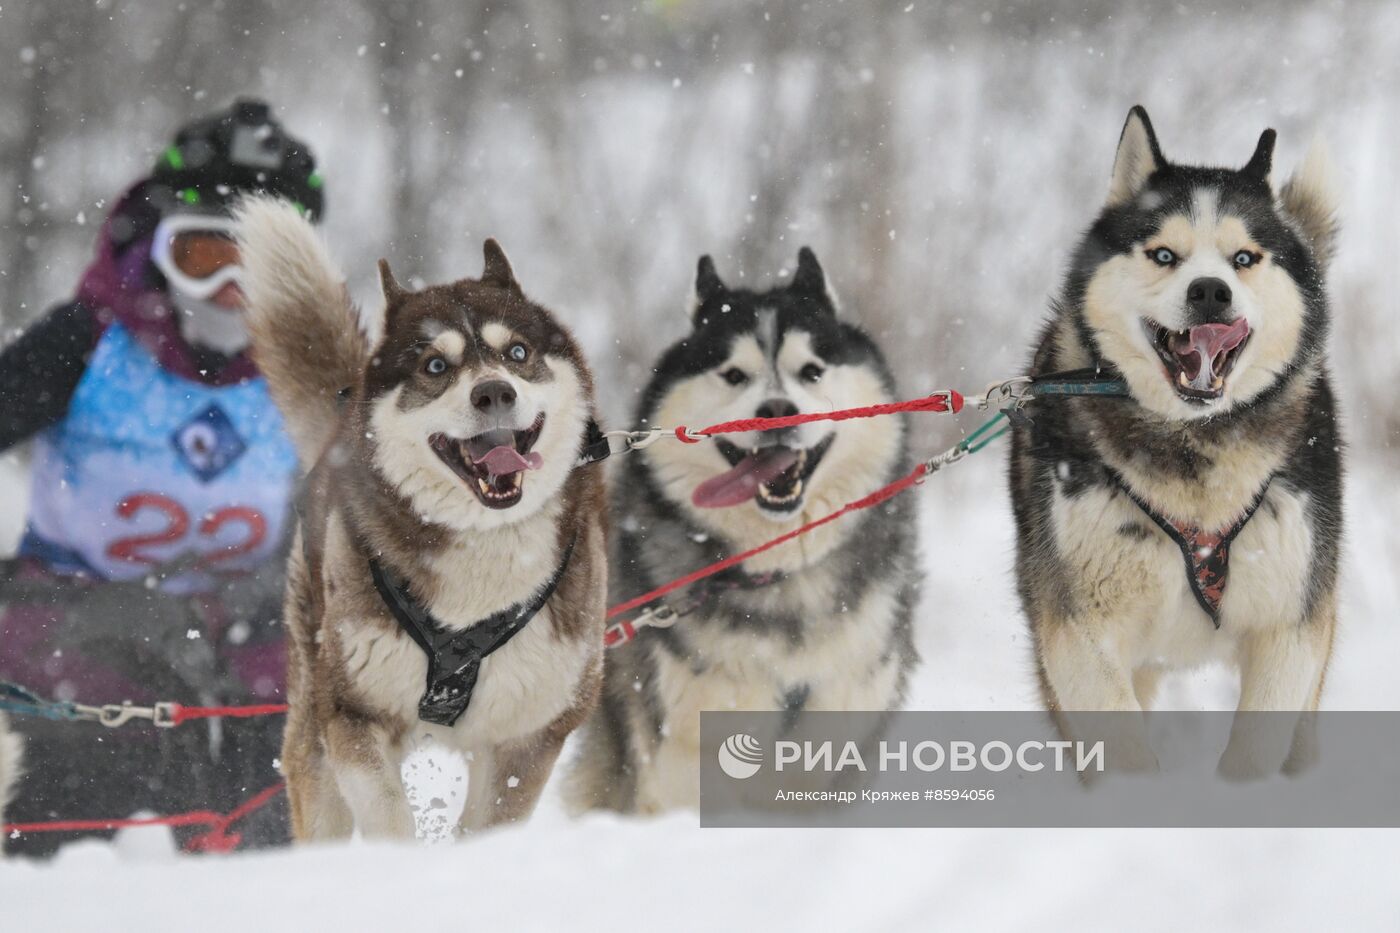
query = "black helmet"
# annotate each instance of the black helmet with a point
(243, 149)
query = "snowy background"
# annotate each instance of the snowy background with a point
(941, 159)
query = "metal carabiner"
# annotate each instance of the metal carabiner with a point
(939, 461)
(119, 714)
(660, 616)
(633, 440)
(1011, 392)
(641, 440)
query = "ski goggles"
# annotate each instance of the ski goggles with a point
(196, 253)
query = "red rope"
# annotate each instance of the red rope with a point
(186, 713)
(949, 401)
(875, 498)
(216, 839)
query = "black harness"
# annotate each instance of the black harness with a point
(596, 446)
(1206, 553)
(455, 655)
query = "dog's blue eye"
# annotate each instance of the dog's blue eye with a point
(435, 366)
(1244, 259)
(734, 376)
(518, 352)
(1162, 256)
(811, 373)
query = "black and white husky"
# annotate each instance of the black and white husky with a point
(822, 623)
(1200, 519)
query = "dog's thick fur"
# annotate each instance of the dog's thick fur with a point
(377, 489)
(1104, 587)
(835, 632)
(11, 758)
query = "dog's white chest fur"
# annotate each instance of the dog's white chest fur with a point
(1137, 586)
(521, 687)
(845, 662)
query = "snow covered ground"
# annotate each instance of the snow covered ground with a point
(605, 872)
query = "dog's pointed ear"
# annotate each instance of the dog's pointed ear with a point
(1309, 199)
(392, 289)
(707, 285)
(810, 280)
(497, 270)
(1262, 162)
(1138, 158)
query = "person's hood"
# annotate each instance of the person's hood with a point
(122, 284)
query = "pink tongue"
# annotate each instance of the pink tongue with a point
(503, 460)
(740, 484)
(1202, 350)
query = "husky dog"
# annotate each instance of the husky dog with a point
(446, 536)
(822, 623)
(1203, 288)
(10, 760)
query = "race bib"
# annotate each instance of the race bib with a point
(153, 475)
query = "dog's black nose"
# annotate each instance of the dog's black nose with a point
(776, 408)
(1208, 300)
(493, 395)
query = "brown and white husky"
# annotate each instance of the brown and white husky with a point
(450, 570)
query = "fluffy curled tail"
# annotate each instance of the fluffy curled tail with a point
(306, 331)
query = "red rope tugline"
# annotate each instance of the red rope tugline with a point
(183, 714)
(946, 400)
(218, 838)
(624, 631)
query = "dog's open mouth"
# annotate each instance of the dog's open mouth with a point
(774, 476)
(493, 463)
(1199, 360)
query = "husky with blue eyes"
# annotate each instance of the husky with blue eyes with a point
(1199, 519)
(822, 623)
(450, 569)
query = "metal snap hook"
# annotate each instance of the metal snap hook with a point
(119, 714)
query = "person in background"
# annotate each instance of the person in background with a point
(151, 563)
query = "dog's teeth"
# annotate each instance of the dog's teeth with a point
(1218, 383)
(1181, 379)
(767, 496)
